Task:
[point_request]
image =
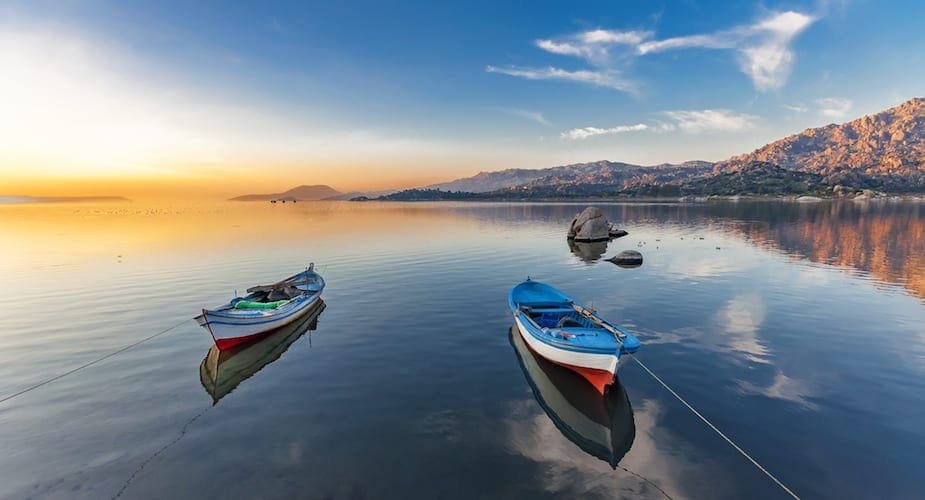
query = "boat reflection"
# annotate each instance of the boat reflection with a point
(602, 426)
(588, 252)
(221, 371)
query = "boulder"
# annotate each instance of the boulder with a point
(627, 258)
(589, 225)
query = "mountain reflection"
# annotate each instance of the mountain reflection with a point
(886, 241)
(602, 427)
(222, 371)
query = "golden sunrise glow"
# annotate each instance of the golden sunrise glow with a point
(81, 119)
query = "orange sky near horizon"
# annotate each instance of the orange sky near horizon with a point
(215, 186)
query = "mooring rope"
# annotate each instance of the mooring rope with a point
(728, 440)
(159, 451)
(89, 364)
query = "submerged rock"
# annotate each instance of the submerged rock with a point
(617, 233)
(590, 225)
(627, 259)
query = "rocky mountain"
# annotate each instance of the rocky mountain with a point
(600, 172)
(757, 178)
(300, 193)
(886, 146)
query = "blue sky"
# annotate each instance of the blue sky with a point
(400, 93)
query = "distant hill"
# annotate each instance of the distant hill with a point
(300, 193)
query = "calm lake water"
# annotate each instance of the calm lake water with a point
(798, 329)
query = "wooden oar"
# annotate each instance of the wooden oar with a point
(277, 286)
(598, 321)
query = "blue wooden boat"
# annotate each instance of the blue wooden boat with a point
(569, 334)
(263, 310)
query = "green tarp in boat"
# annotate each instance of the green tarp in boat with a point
(246, 304)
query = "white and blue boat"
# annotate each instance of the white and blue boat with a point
(263, 310)
(222, 371)
(566, 333)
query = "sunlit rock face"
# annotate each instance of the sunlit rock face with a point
(589, 225)
(891, 142)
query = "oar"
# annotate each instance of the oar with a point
(281, 284)
(598, 321)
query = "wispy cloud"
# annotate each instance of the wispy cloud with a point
(834, 107)
(586, 132)
(535, 116)
(712, 120)
(828, 107)
(593, 46)
(603, 78)
(764, 49)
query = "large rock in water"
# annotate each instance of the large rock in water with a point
(589, 225)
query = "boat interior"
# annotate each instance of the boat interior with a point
(558, 317)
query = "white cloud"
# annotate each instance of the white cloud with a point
(708, 120)
(742, 319)
(586, 132)
(834, 107)
(796, 109)
(594, 45)
(602, 78)
(530, 115)
(763, 47)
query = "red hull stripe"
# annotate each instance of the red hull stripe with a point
(600, 379)
(225, 344)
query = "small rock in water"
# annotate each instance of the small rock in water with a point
(627, 259)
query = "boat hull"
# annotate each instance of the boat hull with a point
(229, 330)
(596, 368)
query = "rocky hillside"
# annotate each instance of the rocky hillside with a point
(757, 178)
(600, 172)
(300, 193)
(891, 142)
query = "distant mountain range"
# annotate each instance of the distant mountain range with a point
(883, 152)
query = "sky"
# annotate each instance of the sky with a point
(214, 98)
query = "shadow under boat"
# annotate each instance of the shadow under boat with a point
(222, 371)
(602, 426)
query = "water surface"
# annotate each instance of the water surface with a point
(798, 329)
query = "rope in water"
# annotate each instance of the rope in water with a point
(89, 364)
(728, 440)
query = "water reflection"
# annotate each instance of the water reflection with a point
(222, 371)
(602, 427)
(588, 252)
